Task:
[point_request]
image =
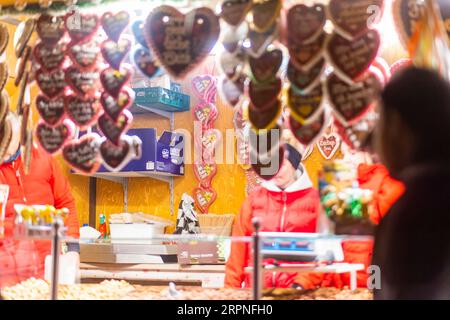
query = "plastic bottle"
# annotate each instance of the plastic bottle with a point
(102, 227)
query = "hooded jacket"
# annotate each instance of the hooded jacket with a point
(45, 184)
(294, 209)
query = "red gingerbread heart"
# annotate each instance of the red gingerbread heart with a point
(114, 52)
(307, 133)
(50, 57)
(181, 42)
(204, 87)
(204, 198)
(328, 145)
(84, 55)
(83, 154)
(204, 172)
(305, 107)
(264, 94)
(305, 55)
(115, 24)
(305, 23)
(82, 111)
(351, 102)
(235, 11)
(265, 68)
(113, 107)
(50, 110)
(353, 18)
(353, 58)
(116, 157)
(114, 80)
(52, 84)
(52, 139)
(305, 80)
(81, 27)
(82, 82)
(50, 28)
(113, 129)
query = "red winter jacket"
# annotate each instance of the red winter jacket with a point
(386, 192)
(45, 184)
(295, 209)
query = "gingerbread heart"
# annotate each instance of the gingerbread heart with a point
(50, 28)
(204, 198)
(305, 107)
(353, 58)
(208, 141)
(260, 41)
(4, 38)
(4, 74)
(50, 110)
(50, 57)
(307, 133)
(82, 82)
(84, 55)
(355, 135)
(52, 139)
(181, 42)
(305, 55)
(138, 31)
(232, 91)
(264, 119)
(113, 129)
(263, 95)
(232, 64)
(328, 145)
(205, 172)
(83, 154)
(113, 107)
(205, 87)
(265, 68)
(232, 37)
(305, 80)
(82, 111)
(4, 107)
(115, 24)
(352, 18)
(206, 113)
(116, 157)
(145, 63)
(81, 27)
(268, 165)
(52, 84)
(305, 23)
(114, 80)
(264, 14)
(114, 52)
(234, 11)
(399, 65)
(351, 102)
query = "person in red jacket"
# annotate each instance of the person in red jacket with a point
(45, 184)
(287, 203)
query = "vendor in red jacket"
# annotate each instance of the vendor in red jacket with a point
(45, 184)
(287, 203)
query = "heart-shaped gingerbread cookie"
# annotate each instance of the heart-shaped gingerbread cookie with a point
(305, 23)
(50, 28)
(52, 139)
(116, 157)
(81, 27)
(113, 129)
(353, 58)
(264, 14)
(84, 154)
(52, 84)
(263, 95)
(351, 102)
(206, 113)
(138, 31)
(328, 145)
(305, 107)
(235, 11)
(145, 63)
(83, 111)
(264, 119)
(82, 82)
(307, 133)
(114, 80)
(84, 54)
(50, 110)
(204, 87)
(113, 107)
(115, 52)
(50, 57)
(204, 173)
(305, 55)
(260, 41)
(115, 24)
(305, 80)
(204, 198)
(268, 165)
(181, 42)
(265, 68)
(232, 91)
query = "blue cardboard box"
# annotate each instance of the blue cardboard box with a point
(170, 153)
(160, 98)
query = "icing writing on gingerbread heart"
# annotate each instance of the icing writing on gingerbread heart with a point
(115, 24)
(113, 129)
(50, 28)
(82, 111)
(328, 145)
(50, 110)
(50, 57)
(204, 197)
(114, 80)
(83, 154)
(82, 82)
(81, 27)
(53, 138)
(114, 52)
(51, 84)
(85, 54)
(114, 106)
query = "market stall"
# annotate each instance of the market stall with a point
(167, 115)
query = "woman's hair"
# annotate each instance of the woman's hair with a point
(422, 99)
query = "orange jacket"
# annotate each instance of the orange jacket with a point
(386, 192)
(295, 209)
(45, 184)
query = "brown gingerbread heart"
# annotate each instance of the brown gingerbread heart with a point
(264, 119)
(305, 23)
(114, 106)
(52, 139)
(84, 154)
(181, 42)
(259, 41)
(81, 27)
(351, 101)
(352, 18)
(84, 54)
(113, 129)
(114, 80)
(234, 11)
(83, 111)
(50, 28)
(115, 52)
(263, 95)
(50, 110)
(265, 68)
(307, 133)
(267, 166)
(52, 84)
(264, 14)
(305, 55)
(353, 58)
(115, 24)
(82, 82)
(305, 80)
(50, 57)
(305, 107)
(232, 64)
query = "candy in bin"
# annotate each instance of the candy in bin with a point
(37, 220)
